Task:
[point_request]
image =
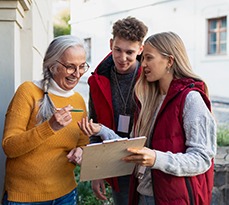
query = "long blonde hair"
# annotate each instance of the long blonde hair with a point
(148, 92)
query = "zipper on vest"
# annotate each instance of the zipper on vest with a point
(190, 193)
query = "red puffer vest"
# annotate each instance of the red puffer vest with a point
(100, 91)
(169, 135)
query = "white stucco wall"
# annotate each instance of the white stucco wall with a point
(188, 18)
(25, 32)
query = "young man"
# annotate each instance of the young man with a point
(111, 87)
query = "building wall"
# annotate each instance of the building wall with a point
(25, 32)
(188, 18)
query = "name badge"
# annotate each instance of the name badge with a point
(123, 123)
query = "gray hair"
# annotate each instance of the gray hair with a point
(54, 52)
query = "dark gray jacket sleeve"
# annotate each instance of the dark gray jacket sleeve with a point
(92, 115)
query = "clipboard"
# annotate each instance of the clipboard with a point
(104, 160)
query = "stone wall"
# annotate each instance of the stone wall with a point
(221, 177)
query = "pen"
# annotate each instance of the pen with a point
(72, 110)
(76, 110)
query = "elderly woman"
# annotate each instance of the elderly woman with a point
(41, 137)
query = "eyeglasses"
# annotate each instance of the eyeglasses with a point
(83, 68)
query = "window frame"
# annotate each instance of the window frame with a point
(218, 30)
(87, 42)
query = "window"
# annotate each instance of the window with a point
(87, 42)
(217, 36)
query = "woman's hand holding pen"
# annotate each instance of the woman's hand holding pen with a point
(61, 118)
(144, 156)
(88, 127)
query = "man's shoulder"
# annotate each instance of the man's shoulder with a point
(105, 65)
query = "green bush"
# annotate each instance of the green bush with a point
(59, 30)
(223, 135)
(61, 25)
(86, 195)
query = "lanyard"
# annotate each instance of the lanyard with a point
(131, 84)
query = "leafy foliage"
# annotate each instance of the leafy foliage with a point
(86, 195)
(61, 25)
(223, 135)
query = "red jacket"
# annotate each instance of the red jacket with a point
(169, 189)
(100, 93)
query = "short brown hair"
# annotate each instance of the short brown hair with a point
(130, 29)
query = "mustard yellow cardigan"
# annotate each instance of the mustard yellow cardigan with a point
(37, 168)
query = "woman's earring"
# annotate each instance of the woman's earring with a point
(168, 69)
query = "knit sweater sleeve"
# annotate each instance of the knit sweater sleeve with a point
(200, 131)
(107, 134)
(21, 135)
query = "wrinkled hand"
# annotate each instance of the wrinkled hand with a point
(98, 188)
(61, 118)
(75, 155)
(144, 156)
(88, 127)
